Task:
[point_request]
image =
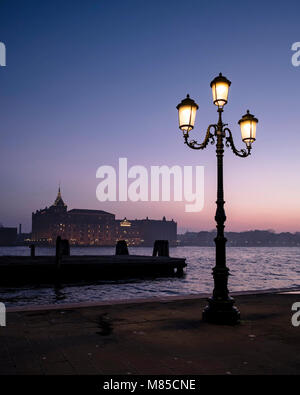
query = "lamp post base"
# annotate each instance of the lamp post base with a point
(221, 312)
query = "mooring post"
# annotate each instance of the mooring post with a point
(58, 252)
(62, 249)
(179, 271)
(32, 250)
(65, 248)
(121, 248)
(161, 248)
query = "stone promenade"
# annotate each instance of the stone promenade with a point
(154, 337)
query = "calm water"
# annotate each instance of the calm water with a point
(251, 269)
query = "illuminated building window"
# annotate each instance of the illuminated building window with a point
(125, 222)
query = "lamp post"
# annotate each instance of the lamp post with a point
(220, 307)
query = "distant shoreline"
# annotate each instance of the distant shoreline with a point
(148, 246)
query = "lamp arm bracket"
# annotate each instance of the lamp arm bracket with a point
(208, 137)
(229, 143)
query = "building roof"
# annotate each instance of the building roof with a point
(88, 212)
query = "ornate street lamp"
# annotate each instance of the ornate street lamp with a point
(187, 114)
(220, 307)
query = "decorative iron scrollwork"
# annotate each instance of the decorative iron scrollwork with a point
(208, 137)
(229, 143)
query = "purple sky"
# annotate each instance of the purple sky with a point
(88, 82)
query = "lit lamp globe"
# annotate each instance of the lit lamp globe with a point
(248, 128)
(220, 88)
(187, 114)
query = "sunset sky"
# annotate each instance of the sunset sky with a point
(89, 82)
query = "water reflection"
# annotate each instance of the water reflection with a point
(251, 269)
(59, 293)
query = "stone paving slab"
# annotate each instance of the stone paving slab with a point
(166, 337)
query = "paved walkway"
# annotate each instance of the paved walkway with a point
(153, 338)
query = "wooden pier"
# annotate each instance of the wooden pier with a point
(18, 270)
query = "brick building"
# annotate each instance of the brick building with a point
(146, 231)
(80, 227)
(96, 227)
